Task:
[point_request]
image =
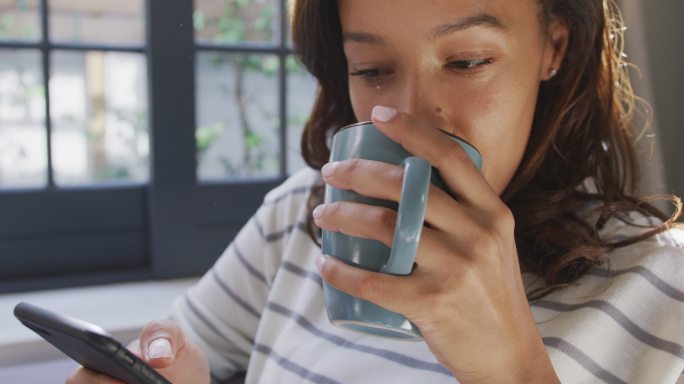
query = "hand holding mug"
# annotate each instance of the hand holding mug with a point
(364, 142)
(466, 294)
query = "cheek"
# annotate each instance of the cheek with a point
(496, 117)
(506, 134)
(362, 101)
(498, 124)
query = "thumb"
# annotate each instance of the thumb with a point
(160, 342)
(134, 346)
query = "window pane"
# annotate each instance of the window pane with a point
(99, 117)
(88, 21)
(23, 143)
(20, 20)
(237, 116)
(288, 29)
(301, 90)
(236, 21)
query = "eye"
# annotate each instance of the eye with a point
(470, 65)
(372, 77)
(368, 73)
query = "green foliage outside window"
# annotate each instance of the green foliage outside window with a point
(241, 21)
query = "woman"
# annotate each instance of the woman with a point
(541, 268)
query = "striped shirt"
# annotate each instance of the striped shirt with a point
(260, 309)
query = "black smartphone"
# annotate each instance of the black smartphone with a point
(88, 344)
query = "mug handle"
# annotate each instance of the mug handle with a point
(411, 214)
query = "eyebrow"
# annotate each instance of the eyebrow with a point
(483, 19)
(442, 30)
(362, 37)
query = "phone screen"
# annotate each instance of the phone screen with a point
(88, 344)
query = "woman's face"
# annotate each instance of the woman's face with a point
(470, 67)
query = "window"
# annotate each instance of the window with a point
(137, 138)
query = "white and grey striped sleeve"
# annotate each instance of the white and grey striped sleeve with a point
(623, 322)
(221, 313)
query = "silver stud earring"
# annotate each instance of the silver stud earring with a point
(377, 87)
(552, 73)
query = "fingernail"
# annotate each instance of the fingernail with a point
(383, 114)
(318, 211)
(159, 349)
(329, 169)
(320, 260)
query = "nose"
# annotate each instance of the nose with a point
(418, 95)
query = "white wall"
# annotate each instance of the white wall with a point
(664, 35)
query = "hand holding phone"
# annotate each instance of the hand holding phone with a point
(88, 344)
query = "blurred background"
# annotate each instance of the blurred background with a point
(135, 138)
(138, 136)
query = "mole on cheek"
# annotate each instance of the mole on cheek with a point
(438, 110)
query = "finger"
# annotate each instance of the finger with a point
(378, 223)
(86, 376)
(389, 291)
(134, 346)
(366, 177)
(160, 342)
(357, 220)
(383, 181)
(459, 173)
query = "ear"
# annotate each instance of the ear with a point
(555, 44)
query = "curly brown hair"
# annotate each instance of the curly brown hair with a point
(581, 131)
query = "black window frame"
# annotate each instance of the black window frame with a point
(174, 225)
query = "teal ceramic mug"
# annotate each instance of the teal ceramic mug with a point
(365, 141)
